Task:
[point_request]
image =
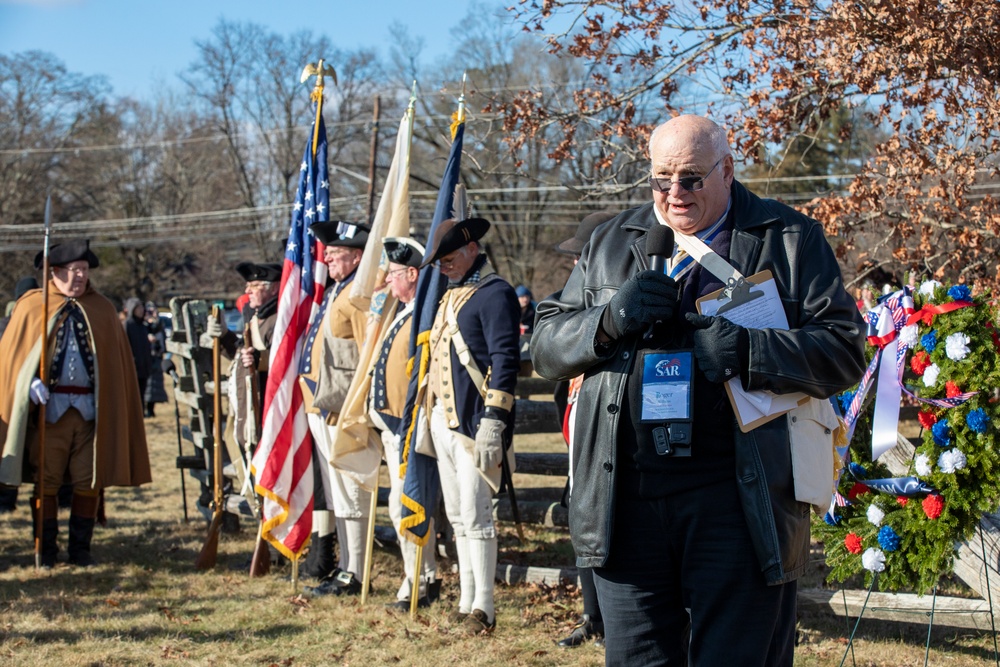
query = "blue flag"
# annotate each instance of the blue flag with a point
(422, 484)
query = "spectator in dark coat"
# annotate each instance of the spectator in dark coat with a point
(524, 297)
(155, 391)
(138, 339)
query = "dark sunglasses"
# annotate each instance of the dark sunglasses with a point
(689, 183)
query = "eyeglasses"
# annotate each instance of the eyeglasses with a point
(450, 259)
(689, 183)
(390, 275)
(256, 285)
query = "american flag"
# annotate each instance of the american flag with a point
(282, 464)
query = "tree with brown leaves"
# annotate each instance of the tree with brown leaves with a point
(925, 76)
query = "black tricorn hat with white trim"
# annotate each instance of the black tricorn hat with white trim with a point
(403, 250)
(342, 234)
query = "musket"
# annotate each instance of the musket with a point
(260, 562)
(209, 551)
(171, 369)
(43, 375)
(508, 480)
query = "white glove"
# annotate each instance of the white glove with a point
(213, 327)
(39, 392)
(489, 444)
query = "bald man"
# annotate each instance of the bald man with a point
(692, 526)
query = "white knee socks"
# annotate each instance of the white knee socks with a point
(483, 554)
(351, 535)
(466, 578)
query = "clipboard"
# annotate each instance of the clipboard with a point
(753, 303)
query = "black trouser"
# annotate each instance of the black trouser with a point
(691, 551)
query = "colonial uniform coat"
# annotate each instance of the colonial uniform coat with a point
(387, 401)
(120, 453)
(261, 331)
(330, 360)
(486, 316)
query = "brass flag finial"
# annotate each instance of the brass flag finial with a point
(319, 70)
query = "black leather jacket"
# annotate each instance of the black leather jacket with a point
(822, 353)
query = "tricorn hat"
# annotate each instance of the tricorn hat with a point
(65, 252)
(23, 285)
(574, 245)
(251, 272)
(340, 233)
(453, 234)
(403, 250)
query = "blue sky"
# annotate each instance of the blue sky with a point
(142, 44)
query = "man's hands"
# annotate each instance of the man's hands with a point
(645, 298)
(489, 443)
(716, 346)
(38, 392)
(213, 327)
(248, 357)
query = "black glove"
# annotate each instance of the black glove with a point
(721, 347)
(641, 300)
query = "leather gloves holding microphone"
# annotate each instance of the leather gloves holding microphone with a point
(642, 300)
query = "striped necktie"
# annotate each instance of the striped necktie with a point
(681, 263)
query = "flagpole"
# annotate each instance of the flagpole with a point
(370, 535)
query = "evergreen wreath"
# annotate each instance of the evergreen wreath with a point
(910, 538)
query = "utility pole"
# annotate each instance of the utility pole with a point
(371, 162)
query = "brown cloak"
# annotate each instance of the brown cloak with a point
(121, 456)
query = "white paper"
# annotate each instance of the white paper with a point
(764, 312)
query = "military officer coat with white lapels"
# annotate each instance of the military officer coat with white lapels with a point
(475, 356)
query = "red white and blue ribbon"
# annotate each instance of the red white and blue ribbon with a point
(885, 321)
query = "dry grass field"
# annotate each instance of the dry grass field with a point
(145, 604)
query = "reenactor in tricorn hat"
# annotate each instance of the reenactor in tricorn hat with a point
(386, 403)
(329, 361)
(474, 362)
(248, 373)
(94, 434)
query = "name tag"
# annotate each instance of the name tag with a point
(666, 386)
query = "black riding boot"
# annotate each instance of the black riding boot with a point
(8, 498)
(81, 529)
(320, 563)
(50, 530)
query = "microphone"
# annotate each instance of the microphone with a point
(659, 246)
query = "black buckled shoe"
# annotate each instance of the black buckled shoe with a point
(347, 584)
(404, 604)
(584, 630)
(426, 600)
